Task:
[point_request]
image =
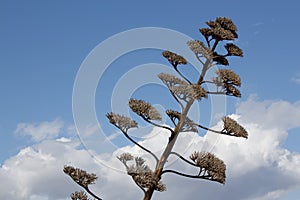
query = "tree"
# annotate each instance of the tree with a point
(185, 93)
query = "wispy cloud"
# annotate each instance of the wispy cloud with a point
(40, 131)
(296, 78)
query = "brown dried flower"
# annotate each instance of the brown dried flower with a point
(174, 59)
(211, 165)
(206, 32)
(228, 76)
(125, 157)
(143, 175)
(221, 29)
(144, 109)
(122, 122)
(186, 92)
(170, 80)
(189, 125)
(80, 176)
(233, 50)
(231, 90)
(220, 60)
(226, 23)
(198, 47)
(220, 33)
(235, 129)
(79, 196)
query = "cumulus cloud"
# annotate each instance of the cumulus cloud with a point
(257, 169)
(40, 131)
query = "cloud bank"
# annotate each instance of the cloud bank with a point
(257, 169)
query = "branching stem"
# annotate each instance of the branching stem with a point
(91, 193)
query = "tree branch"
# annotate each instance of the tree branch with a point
(208, 92)
(158, 125)
(186, 79)
(199, 59)
(182, 158)
(91, 193)
(208, 129)
(205, 177)
(181, 105)
(136, 143)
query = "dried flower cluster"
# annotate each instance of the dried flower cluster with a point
(210, 165)
(79, 196)
(232, 127)
(228, 80)
(170, 80)
(174, 59)
(220, 60)
(221, 29)
(232, 90)
(125, 157)
(198, 47)
(233, 50)
(141, 173)
(229, 77)
(186, 92)
(144, 109)
(80, 176)
(122, 122)
(175, 117)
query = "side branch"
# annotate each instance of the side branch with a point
(158, 125)
(177, 100)
(205, 177)
(91, 193)
(142, 147)
(182, 158)
(180, 74)
(208, 129)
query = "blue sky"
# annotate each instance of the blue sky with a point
(43, 45)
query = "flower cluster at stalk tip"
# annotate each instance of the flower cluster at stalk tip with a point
(80, 176)
(144, 109)
(174, 59)
(210, 166)
(120, 121)
(233, 128)
(141, 173)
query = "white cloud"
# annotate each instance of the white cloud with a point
(296, 78)
(257, 169)
(40, 131)
(36, 171)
